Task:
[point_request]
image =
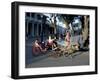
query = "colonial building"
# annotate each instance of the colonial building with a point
(37, 26)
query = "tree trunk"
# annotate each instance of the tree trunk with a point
(55, 28)
(85, 30)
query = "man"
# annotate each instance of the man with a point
(37, 49)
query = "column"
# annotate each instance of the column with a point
(41, 34)
(32, 29)
(27, 28)
(37, 29)
(41, 29)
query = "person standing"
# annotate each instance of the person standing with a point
(67, 39)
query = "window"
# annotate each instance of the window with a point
(35, 29)
(39, 16)
(39, 30)
(32, 14)
(28, 14)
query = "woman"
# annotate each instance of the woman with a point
(67, 39)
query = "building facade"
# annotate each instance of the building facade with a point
(36, 25)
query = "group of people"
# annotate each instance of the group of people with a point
(51, 44)
(42, 47)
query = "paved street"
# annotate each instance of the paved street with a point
(44, 60)
(78, 58)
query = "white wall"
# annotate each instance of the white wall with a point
(5, 39)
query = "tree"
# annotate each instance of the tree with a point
(53, 22)
(85, 30)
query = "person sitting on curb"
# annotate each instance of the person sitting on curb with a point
(37, 49)
(49, 43)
